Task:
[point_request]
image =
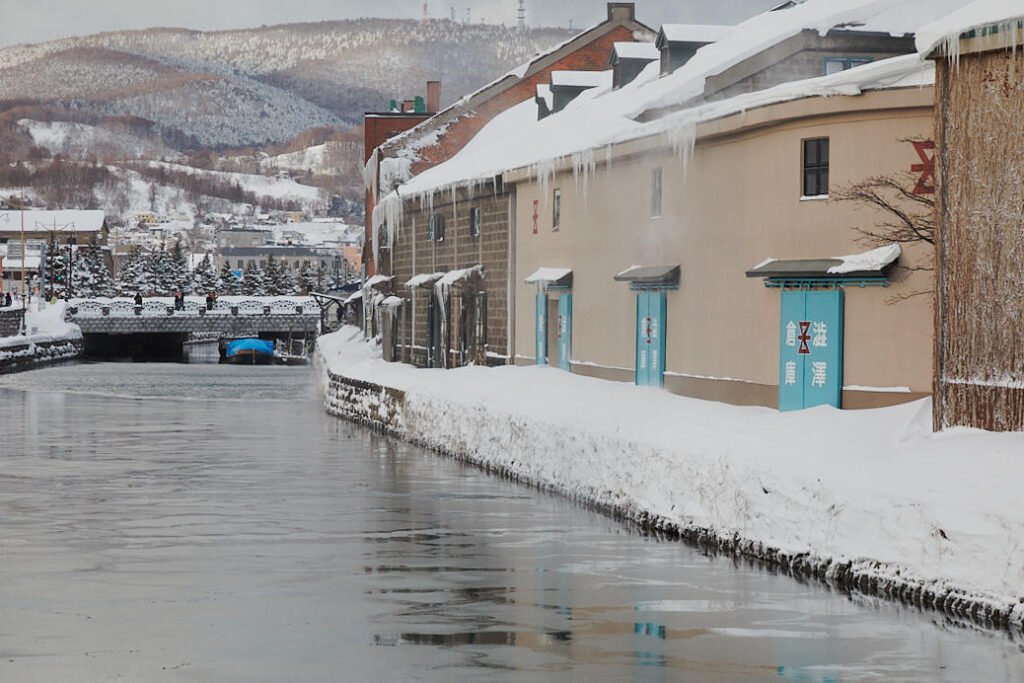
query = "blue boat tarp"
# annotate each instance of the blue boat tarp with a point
(257, 345)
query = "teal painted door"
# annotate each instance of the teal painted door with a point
(811, 349)
(564, 329)
(650, 339)
(542, 329)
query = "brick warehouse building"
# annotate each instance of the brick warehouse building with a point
(440, 137)
(448, 258)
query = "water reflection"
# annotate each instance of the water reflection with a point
(211, 523)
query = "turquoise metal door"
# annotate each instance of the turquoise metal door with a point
(564, 329)
(811, 349)
(542, 329)
(650, 338)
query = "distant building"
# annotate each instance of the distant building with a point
(80, 225)
(243, 237)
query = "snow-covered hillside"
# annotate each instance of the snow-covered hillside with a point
(251, 87)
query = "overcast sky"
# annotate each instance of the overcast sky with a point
(33, 21)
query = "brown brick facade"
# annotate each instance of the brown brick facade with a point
(591, 57)
(414, 253)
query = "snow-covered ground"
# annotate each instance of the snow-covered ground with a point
(875, 488)
(46, 327)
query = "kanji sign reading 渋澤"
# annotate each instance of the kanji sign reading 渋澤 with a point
(810, 348)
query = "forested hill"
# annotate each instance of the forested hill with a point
(252, 87)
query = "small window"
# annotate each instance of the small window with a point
(655, 192)
(834, 65)
(474, 222)
(815, 167)
(435, 228)
(556, 209)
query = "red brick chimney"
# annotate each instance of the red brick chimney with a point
(433, 97)
(407, 105)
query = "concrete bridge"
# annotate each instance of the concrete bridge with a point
(118, 327)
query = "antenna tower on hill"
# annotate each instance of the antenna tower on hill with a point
(426, 12)
(521, 14)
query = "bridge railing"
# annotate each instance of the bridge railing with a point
(194, 306)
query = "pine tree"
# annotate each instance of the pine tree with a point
(253, 280)
(181, 273)
(162, 273)
(272, 276)
(307, 278)
(134, 274)
(204, 277)
(89, 275)
(227, 282)
(287, 284)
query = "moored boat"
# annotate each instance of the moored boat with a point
(249, 352)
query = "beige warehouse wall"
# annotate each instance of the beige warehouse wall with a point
(737, 203)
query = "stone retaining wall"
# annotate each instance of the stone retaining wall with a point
(386, 410)
(32, 355)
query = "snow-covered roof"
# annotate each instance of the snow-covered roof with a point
(423, 279)
(516, 139)
(631, 50)
(66, 220)
(547, 275)
(392, 302)
(31, 263)
(460, 275)
(874, 260)
(578, 79)
(694, 33)
(1003, 15)
(867, 264)
(617, 117)
(378, 279)
(358, 295)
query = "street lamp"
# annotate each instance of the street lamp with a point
(70, 292)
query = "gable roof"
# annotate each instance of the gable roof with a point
(428, 132)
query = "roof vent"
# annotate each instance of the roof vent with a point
(629, 59)
(567, 86)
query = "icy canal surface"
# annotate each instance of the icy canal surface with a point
(211, 523)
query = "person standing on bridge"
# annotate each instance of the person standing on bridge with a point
(138, 298)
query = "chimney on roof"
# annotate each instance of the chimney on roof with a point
(407, 106)
(433, 97)
(622, 11)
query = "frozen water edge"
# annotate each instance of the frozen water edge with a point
(863, 500)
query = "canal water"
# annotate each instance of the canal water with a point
(163, 522)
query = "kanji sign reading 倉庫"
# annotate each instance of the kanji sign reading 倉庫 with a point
(811, 349)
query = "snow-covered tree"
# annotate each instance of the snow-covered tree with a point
(181, 273)
(253, 280)
(308, 278)
(204, 277)
(272, 276)
(135, 274)
(90, 276)
(228, 282)
(287, 284)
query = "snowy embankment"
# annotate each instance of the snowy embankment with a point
(870, 500)
(47, 339)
